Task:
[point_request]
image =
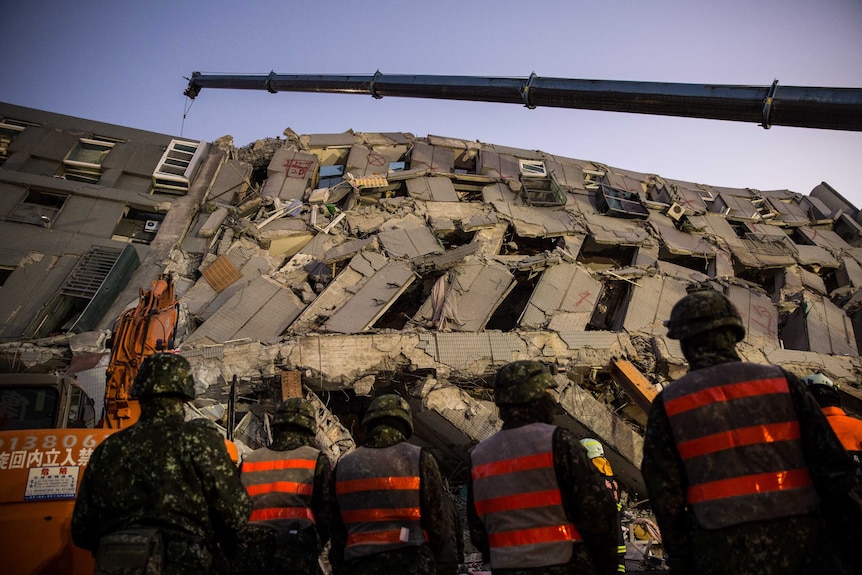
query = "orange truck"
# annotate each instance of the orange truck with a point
(49, 429)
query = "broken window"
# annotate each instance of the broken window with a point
(610, 306)
(620, 203)
(597, 256)
(540, 187)
(177, 167)
(699, 264)
(84, 163)
(466, 163)
(138, 226)
(39, 208)
(330, 176)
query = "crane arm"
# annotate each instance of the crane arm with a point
(774, 105)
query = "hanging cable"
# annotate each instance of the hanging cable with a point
(185, 113)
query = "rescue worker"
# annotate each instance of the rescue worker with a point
(847, 428)
(289, 484)
(596, 454)
(162, 490)
(743, 473)
(391, 513)
(535, 504)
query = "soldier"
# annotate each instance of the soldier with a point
(391, 513)
(847, 428)
(596, 454)
(535, 504)
(163, 490)
(743, 473)
(289, 485)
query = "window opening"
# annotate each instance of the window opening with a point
(401, 313)
(84, 162)
(138, 226)
(8, 130)
(5, 272)
(39, 208)
(330, 176)
(508, 313)
(532, 168)
(622, 204)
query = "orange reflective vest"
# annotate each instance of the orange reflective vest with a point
(737, 433)
(849, 431)
(280, 484)
(516, 495)
(378, 495)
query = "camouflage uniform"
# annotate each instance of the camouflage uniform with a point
(438, 555)
(165, 473)
(586, 502)
(260, 550)
(709, 328)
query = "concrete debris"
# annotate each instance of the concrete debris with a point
(368, 262)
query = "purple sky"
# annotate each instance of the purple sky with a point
(124, 63)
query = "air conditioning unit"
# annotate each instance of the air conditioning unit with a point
(675, 211)
(151, 226)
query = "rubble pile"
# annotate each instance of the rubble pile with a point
(360, 262)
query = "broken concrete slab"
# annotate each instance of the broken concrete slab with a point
(261, 310)
(372, 300)
(565, 295)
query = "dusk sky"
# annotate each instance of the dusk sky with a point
(125, 62)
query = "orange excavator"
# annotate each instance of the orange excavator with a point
(140, 332)
(48, 430)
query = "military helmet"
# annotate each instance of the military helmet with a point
(594, 447)
(521, 382)
(389, 405)
(164, 374)
(703, 311)
(296, 411)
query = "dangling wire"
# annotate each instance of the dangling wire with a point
(185, 113)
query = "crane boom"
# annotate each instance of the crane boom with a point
(774, 105)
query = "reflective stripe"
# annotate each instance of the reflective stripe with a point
(725, 393)
(280, 487)
(532, 536)
(513, 465)
(249, 466)
(281, 513)
(374, 484)
(355, 516)
(747, 484)
(769, 433)
(378, 537)
(519, 501)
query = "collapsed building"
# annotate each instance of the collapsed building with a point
(339, 266)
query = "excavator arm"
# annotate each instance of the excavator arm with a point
(773, 105)
(140, 331)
